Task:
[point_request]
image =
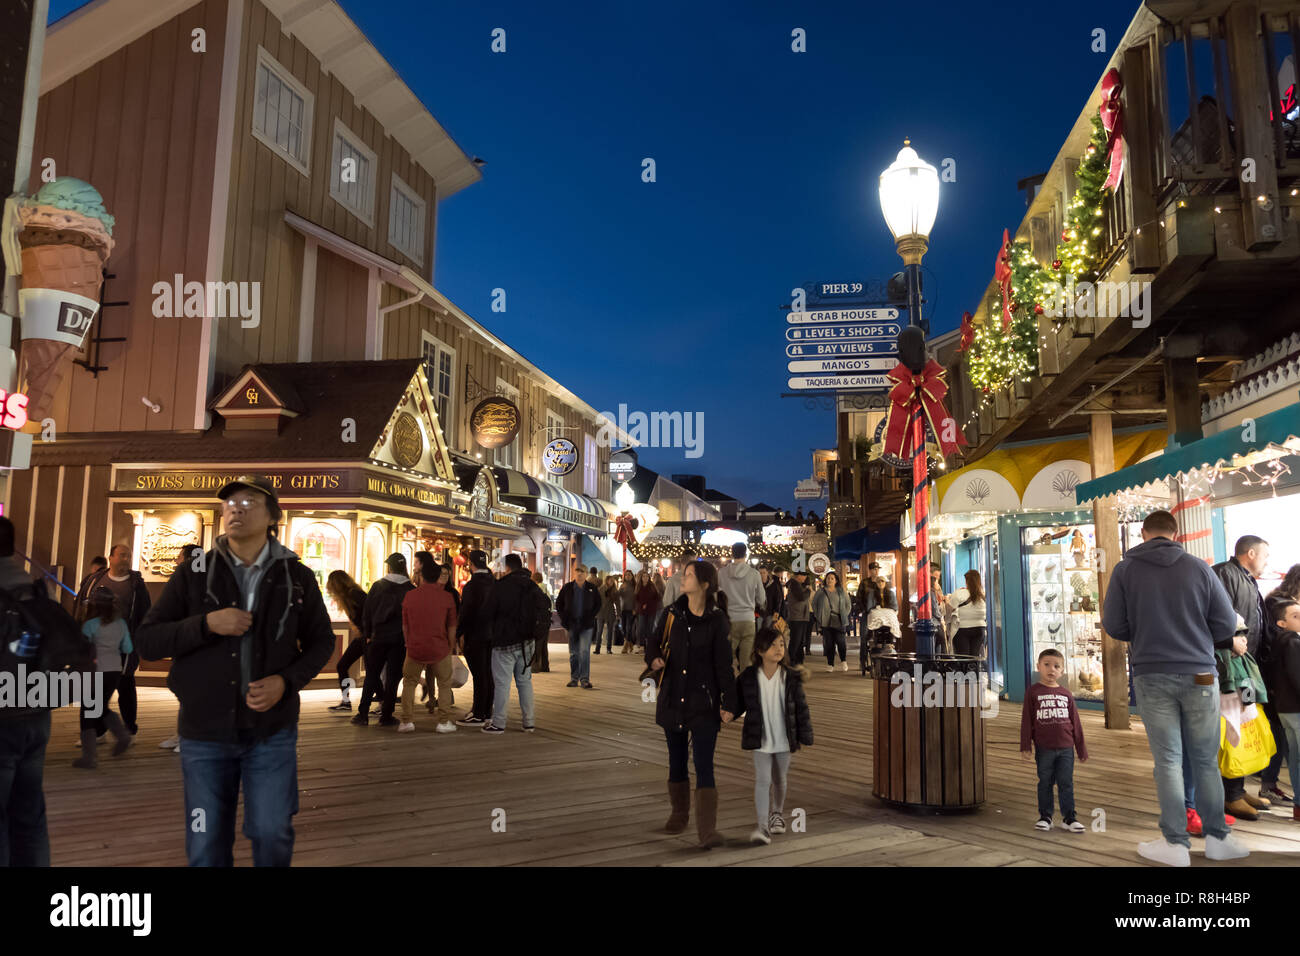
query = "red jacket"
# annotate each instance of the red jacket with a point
(428, 621)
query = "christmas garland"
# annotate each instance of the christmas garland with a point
(999, 356)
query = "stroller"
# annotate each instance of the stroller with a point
(880, 634)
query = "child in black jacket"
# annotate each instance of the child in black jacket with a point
(770, 694)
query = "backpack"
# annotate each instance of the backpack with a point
(36, 631)
(542, 620)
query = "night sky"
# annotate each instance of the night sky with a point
(666, 296)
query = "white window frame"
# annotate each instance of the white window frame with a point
(554, 430)
(365, 212)
(589, 462)
(441, 348)
(285, 76)
(398, 185)
(507, 456)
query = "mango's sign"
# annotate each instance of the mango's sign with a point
(407, 492)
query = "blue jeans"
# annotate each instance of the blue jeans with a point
(1055, 767)
(580, 654)
(213, 772)
(24, 834)
(1182, 716)
(1291, 728)
(508, 662)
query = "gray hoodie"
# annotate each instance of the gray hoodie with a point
(744, 590)
(1171, 607)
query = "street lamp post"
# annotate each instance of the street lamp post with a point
(909, 199)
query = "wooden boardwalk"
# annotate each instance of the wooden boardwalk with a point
(588, 789)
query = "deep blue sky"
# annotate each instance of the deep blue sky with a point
(666, 296)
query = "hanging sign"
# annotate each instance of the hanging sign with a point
(883, 347)
(622, 465)
(880, 381)
(560, 457)
(826, 366)
(862, 332)
(494, 422)
(843, 315)
(819, 564)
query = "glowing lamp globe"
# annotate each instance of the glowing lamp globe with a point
(624, 497)
(909, 199)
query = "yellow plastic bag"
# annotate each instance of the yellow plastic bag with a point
(1253, 751)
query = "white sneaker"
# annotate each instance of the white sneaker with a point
(844, 665)
(171, 743)
(760, 836)
(446, 727)
(177, 748)
(1161, 850)
(405, 728)
(830, 668)
(1226, 849)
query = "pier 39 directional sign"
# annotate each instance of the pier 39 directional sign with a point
(819, 316)
(842, 349)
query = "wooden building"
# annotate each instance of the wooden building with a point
(275, 186)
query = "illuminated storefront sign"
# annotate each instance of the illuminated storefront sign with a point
(162, 535)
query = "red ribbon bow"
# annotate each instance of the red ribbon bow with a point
(1002, 275)
(929, 388)
(967, 332)
(1112, 118)
(623, 530)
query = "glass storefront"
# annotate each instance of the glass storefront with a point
(1062, 603)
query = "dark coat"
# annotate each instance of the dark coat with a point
(647, 600)
(798, 723)
(140, 600)
(354, 604)
(698, 681)
(472, 625)
(1284, 673)
(515, 606)
(291, 636)
(590, 606)
(1246, 600)
(774, 597)
(382, 616)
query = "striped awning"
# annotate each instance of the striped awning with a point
(1256, 440)
(550, 504)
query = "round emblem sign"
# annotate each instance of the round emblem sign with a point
(560, 457)
(494, 422)
(819, 564)
(902, 464)
(622, 465)
(408, 441)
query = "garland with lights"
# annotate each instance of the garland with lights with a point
(999, 357)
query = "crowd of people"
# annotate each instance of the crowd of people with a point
(246, 628)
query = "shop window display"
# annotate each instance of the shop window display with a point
(1063, 606)
(322, 547)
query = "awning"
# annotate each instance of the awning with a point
(851, 546)
(551, 505)
(1270, 436)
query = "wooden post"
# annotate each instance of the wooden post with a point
(1105, 524)
(1252, 99)
(1183, 400)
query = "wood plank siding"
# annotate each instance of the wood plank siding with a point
(261, 247)
(140, 126)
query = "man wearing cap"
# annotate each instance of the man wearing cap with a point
(245, 632)
(381, 626)
(474, 631)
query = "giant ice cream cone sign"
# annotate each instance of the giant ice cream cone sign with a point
(66, 236)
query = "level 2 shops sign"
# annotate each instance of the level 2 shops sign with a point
(560, 457)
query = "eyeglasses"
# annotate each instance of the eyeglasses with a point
(245, 503)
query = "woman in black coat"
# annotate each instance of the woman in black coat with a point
(349, 596)
(695, 695)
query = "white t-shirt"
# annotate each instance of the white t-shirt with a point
(771, 694)
(968, 613)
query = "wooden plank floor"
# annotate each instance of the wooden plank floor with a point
(588, 789)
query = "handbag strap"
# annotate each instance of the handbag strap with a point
(664, 647)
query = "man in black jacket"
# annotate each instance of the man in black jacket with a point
(131, 599)
(245, 634)
(474, 632)
(577, 605)
(520, 613)
(381, 625)
(1238, 574)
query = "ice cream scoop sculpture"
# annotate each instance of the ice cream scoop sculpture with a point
(66, 236)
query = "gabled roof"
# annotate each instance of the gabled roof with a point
(760, 507)
(712, 494)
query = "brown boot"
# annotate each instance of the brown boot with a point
(706, 817)
(1241, 810)
(680, 795)
(87, 760)
(1259, 803)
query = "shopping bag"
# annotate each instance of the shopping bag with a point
(459, 672)
(1252, 753)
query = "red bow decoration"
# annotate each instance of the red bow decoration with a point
(929, 387)
(624, 525)
(1002, 275)
(967, 332)
(1112, 118)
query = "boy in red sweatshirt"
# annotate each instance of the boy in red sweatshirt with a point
(1050, 722)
